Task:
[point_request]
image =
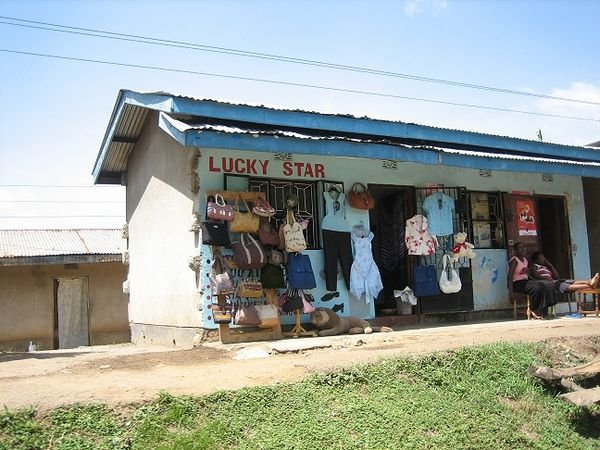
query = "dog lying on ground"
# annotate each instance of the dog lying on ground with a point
(330, 324)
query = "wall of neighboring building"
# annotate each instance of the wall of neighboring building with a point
(27, 303)
(214, 163)
(164, 307)
(591, 189)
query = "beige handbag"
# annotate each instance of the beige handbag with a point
(250, 288)
(269, 317)
(243, 222)
(293, 235)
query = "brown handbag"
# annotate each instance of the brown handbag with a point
(246, 316)
(267, 235)
(243, 222)
(359, 197)
(250, 289)
(248, 253)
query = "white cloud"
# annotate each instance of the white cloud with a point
(414, 8)
(577, 91)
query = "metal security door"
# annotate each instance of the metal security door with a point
(72, 319)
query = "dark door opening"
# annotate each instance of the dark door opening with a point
(549, 231)
(393, 205)
(554, 233)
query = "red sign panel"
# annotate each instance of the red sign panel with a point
(527, 219)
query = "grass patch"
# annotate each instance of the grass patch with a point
(473, 398)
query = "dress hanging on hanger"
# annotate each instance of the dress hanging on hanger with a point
(365, 278)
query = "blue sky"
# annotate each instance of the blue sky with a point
(55, 112)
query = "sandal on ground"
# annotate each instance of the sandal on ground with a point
(536, 316)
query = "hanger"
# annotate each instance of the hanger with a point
(359, 230)
(333, 187)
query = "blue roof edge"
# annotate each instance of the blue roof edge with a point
(166, 102)
(273, 144)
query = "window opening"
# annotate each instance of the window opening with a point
(487, 220)
(276, 192)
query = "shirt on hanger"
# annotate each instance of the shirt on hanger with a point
(439, 209)
(335, 209)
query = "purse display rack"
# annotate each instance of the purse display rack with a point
(227, 334)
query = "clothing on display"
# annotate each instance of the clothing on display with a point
(364, 276)
(417, 238)
(335, 211)
(337, 246)
(439, 209)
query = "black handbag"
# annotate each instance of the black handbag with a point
(293, 301)
(271, 277)
(215, 232)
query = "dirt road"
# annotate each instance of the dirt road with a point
(128, 373)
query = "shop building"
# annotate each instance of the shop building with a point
(171, 151)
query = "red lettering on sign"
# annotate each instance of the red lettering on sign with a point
(308, 172)
(239, 168)
(211, 165)
(251, 166)
(263, 165)
(227, 165)
(319, 171)
(299, 167)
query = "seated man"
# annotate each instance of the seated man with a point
(542, 269)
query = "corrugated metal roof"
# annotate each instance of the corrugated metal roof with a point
(352, 116)
(182, 126)
(30, 243)
(132, 109)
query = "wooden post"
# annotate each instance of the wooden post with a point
(298, 329)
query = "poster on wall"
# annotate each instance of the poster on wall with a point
(527, 219)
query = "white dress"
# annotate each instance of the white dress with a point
(364, 274)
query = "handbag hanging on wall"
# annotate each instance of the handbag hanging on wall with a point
(248, 253)
(268, 314)
(293, 301)
(359, 197)
(267, 235)
(246, 315)
(243, 222)
(293, 234)
(221, 313)
(221, 282)
(449, 280)
(425, 281)
(250, 289)
(218, 209)
(299, 272)
(214, 232)
(271, 277)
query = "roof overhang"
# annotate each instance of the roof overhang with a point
(59, 259)
(328, 134)
(233, 138)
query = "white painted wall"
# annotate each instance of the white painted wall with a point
(160, 205)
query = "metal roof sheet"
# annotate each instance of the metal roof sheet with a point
(32, 243)
(182, 126)
(132, 109)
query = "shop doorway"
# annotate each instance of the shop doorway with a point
(393, 205)
(540, 223)
(71, 313)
